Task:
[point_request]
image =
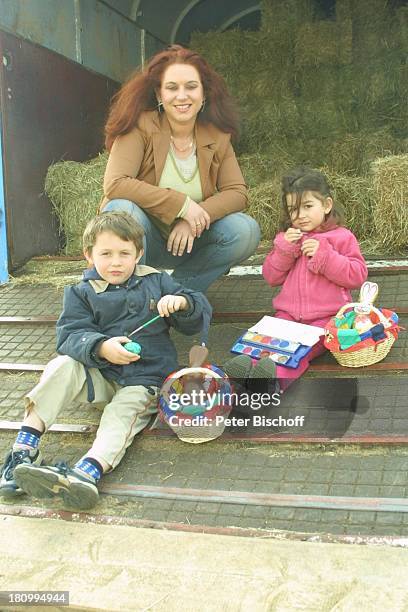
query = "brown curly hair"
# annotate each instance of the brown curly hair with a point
(138, 95)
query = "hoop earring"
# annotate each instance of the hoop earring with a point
(203, 105)
(160, 106)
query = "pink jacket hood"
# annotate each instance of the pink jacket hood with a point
(315, 287)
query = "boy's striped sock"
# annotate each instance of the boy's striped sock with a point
(89, 467)
(28, 438)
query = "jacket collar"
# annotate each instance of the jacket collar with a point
(206, 139)
(100, 285)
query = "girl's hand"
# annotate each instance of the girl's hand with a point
(181, 238)
(309, 247)
(292, 234)
(171, 303)
(113, 351)
(197, 218)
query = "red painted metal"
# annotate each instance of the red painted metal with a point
(52, 108)
(378, 504)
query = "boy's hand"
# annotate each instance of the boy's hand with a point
(171, 303)
(292, 234)
(309, 247)
(113, 351)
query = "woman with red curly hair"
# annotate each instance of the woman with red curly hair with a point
(172, 166)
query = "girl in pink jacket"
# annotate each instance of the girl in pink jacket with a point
(315, 260)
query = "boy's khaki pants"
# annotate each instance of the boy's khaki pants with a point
(127, 411)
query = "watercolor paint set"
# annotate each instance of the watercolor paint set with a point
(283, 352)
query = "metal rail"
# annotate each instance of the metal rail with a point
(377, 504)
(104, 519)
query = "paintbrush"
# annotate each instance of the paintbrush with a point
(154, 318)
(144, 325)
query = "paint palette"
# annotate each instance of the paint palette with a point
(257, 352)
(277, 344)
(283, 352)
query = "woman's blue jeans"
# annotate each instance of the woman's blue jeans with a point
(228, 241)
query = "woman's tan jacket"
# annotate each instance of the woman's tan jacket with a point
(137, 159)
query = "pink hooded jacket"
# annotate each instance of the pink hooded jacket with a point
(315, 287)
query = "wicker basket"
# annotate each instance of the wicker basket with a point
(365, 356)
(208, 426)
(368, 352)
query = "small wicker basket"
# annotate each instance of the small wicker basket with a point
(210, 422)
(369, 351)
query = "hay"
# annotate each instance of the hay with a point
(265, 206)
(58, 274)
(305, 78)
(390, 211)
(75, 190)
(355, 195)
(333, 40)
(259, 168)
(353, 153)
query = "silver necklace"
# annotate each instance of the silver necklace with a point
(182, 149)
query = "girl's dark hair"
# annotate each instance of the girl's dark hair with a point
(138, 94)
(303, 179)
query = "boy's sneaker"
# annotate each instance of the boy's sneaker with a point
(8, 485)
(238, 367)
(264, 368)
(76, 490)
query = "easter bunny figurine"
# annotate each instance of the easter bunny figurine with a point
(368, 294)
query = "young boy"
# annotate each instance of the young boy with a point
(115, 297)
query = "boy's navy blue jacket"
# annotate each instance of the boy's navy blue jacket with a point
(95, 310)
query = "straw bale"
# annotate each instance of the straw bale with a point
(344, 9)
(390, 212)
(319, 118)
(323, 42)
(262, 167)
(373, 22)
(402, 18)
(278, 15)
(75, 190)
(265, 206)
(352, 153)
(317, 83)
(355, 195)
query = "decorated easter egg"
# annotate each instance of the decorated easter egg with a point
(133, 347)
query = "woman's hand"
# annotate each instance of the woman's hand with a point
(292, 234)
(181, 238)
(309, 247)
(171, 303)
(197, 218)
(113, 351)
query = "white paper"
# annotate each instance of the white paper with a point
(288, 330)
